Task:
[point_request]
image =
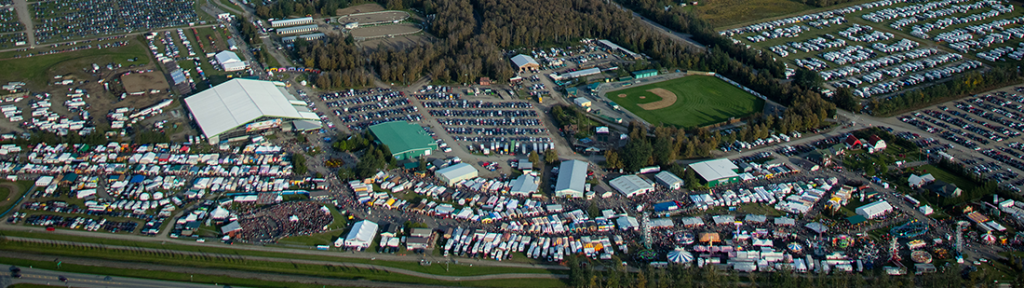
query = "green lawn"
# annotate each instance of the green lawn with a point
(23, 186)
(759, 209)
(963, 183)
(730, 12)
(457, 270)
(36, 71)
(702, 100)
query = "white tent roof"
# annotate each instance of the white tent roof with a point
(715, 169)
(629, 185)
(521, 60)
(572, 176)
(666, 177)
(239, 101)
(524, 184)
(457, 170)
(362, 233)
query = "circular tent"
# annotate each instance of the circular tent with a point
(680, 256)
(988, 238)
(795, 247)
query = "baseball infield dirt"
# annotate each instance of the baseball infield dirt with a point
(667, 99)
(622, 95)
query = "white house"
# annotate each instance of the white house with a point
(874, 144)
(915, 181)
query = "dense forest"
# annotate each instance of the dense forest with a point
(970, 82)
(583, 273)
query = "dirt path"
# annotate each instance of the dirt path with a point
(25, 17)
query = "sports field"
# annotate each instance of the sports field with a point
(687, 102)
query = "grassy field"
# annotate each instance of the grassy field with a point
(457, 270)
(731, 12)
(36, 70)
(23, 186)
(702, 100)
(281, 267)
(963, 183)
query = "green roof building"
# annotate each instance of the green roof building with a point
(645, 73)
(405, 140)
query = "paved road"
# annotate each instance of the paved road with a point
(25, 17)
(50, 277)
(681, 37)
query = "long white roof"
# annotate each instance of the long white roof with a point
(521, 60)
(240, 101)
(630, 184)
(362, 232)
(715, 169)
(456, 171)
(572, 176)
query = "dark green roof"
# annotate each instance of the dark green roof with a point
(402, 136)
(856, 219)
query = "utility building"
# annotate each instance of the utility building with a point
(405, 140)
(572, 179)
(455, 173)
(296, 29)
(716, 172)
(229, 61)
(291, 22)
(631, 185)
(669, 180)
(525, 63)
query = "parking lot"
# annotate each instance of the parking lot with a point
(887, 46)
(68, 20)
(989, 124)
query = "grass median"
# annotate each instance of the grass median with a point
(436, 269)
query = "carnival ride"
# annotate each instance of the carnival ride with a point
(910, 229)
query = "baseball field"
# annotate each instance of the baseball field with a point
(686, 102)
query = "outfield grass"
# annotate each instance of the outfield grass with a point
(36, 70)
(702, 100)
(23, 186)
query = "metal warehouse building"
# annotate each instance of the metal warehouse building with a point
(242, 106)
(716, 172)
(455, 173)
(671, 181)
(572, 179)
(525, 62)
(296, 29)
(404, 139)
(631, 185)
(291, 22)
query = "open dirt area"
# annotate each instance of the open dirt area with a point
(364, 8)
(144, 82)
(667, 99)
(378, 17)
(622, 95)
(384, 30)
(399, 42)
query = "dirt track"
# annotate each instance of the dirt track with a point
(667, 99)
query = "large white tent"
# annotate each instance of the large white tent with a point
(361, 235)
(231, 104)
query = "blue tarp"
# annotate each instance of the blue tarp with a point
(137, 179)
(665, 206)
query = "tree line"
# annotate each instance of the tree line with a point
(967, 83)
(596, 274)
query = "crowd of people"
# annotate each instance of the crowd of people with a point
(265, 225)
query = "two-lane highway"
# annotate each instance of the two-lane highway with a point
(50, 277)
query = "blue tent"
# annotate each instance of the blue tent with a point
(137, 179)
